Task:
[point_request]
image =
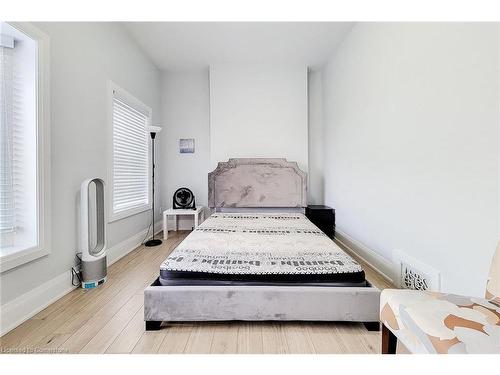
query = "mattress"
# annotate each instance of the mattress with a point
(259, 249)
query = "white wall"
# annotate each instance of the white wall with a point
(258, 111)
(185, 106)
(83, 56)
(255, 111)
(411, 144)
(316, 183)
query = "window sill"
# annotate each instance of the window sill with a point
(130, 212)
(17, 258)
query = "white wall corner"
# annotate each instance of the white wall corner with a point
(370, 256)
(22, 308)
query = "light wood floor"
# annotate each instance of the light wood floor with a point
(109, 319)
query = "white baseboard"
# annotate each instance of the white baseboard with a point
(28, 304)
(118, 251)
(377, 262)
(20, 309)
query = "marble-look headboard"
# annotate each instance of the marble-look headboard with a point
(257, 182)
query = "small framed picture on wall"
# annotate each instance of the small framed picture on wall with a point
(186, 145)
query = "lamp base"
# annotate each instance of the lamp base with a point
(152, 243)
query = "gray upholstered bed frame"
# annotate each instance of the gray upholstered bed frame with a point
(259, 184)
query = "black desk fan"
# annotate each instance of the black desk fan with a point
(184, 199)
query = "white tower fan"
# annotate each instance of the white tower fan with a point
(93, 233)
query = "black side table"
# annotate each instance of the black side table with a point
(323, 217)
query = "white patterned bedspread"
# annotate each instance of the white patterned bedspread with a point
(259, 244)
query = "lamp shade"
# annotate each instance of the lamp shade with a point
(153, 129)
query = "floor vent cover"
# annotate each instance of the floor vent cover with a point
(412, 274)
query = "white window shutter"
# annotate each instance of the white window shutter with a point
(7, 208)
(130, 157)
(24, 124)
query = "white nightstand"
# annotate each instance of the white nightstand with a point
(177, 212)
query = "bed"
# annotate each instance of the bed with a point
(257, 257)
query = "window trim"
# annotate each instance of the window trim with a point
(43, 218)
(129, 98)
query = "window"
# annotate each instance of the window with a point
(24, 167)
(129, 178)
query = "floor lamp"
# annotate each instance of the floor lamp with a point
(152, 130)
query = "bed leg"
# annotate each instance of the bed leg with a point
(152, 325)
(389, 341)
(372, 326)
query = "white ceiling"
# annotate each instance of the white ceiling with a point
(192, 45)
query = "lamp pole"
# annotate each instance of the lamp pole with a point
(152, 242)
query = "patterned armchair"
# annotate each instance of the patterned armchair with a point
(428, 322)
